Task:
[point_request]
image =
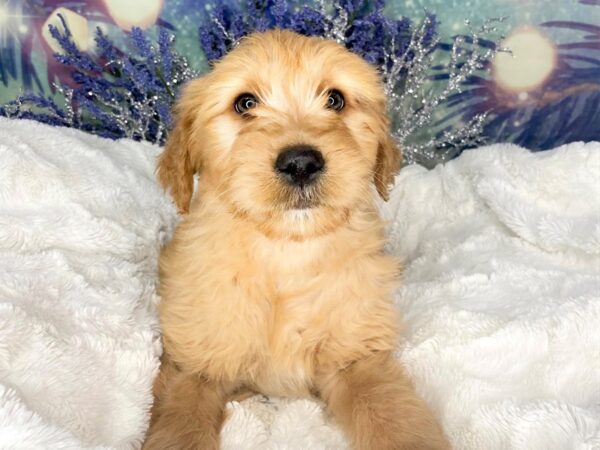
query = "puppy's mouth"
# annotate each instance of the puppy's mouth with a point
(301, 197)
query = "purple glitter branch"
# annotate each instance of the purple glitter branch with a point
(72, 55)
(369, 33)
(165, 43)
(114, 95)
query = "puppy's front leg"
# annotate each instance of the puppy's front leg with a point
(375, 404)
(188, 415)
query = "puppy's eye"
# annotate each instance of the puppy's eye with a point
(335, 100)
(244, 102)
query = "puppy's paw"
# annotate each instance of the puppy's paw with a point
(180, 437)
(397, 436)
(375, 402)
(434, 442)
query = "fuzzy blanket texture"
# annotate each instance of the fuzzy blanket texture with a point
(500, 298)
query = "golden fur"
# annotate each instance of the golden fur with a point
(259, 295)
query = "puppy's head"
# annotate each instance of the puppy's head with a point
(289, 131)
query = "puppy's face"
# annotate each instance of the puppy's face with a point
(290, 132)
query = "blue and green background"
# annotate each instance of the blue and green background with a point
(545, 94)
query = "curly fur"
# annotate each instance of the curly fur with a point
(260, 295)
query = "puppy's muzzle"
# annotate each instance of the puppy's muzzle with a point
(300, 165)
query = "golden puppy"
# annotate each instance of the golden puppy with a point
(276, 280)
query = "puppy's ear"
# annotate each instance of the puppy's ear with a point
(389, 159)
(178, 164)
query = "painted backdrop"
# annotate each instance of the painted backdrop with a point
(546, 93)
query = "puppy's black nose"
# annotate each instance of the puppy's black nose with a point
(300, 164)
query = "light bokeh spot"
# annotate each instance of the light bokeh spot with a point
(532, 61)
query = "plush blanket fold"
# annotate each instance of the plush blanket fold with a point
(500, 297)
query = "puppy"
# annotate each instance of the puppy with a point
(276, 280)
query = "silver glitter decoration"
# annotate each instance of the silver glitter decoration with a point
(136, 118)
(337, 27)
(139, 115)
(67, 93)
(414, 98)
(226, 34)
(14, 108)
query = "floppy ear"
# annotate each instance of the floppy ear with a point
(177, 165)
(389, 159)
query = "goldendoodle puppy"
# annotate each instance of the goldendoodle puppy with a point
(276, 280)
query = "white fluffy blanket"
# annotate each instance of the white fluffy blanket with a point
(81, 221)
(501, 297)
